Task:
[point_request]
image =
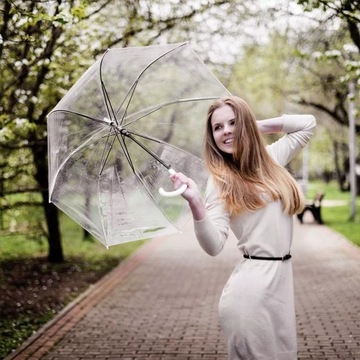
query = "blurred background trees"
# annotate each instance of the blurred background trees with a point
(282, 57)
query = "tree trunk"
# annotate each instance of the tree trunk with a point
(339, 173)
(55, 253)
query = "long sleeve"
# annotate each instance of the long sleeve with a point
(213, 230)
(298, 130)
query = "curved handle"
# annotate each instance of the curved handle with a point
(177, 192)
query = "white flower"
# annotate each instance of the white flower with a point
(22, 99)
(350, 48)
(22, 21)
(344, 79)
(3, 134)
(333, 53)
(20, 122)
(317, 55)
(352, 65)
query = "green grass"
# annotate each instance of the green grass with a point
(87, 256)
(337, 216)
(19, 246)
(15, 331)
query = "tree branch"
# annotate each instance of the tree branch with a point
(333, 113)
(20, 204)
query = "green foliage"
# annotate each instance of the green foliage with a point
(305, 70)
(334, 58)
(13, 332)
(310, 5)
(346, 9)
(45, 46)
(263, 74)
(34, 45)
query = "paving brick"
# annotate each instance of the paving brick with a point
(327, 293)
(162, 304)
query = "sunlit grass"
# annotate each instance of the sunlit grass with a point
(73, 242)
(336, 214)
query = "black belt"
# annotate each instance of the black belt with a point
(286, 257)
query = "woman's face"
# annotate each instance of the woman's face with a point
(223, 127)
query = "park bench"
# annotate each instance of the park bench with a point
(314, 207)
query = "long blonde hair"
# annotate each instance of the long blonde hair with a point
(249, 178)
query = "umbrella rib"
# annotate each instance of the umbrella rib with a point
(126, 152)
(131, 94)
(124, 148)
(103, 162)
(133, 86)
(147, 137)
(160, 106)
(87, 143)
(105, 94)
(159, 57)
(108, 102)
(81, 115)
(108, 105)
(129, 135)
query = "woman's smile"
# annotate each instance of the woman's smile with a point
(223, 126)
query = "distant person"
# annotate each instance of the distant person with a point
(251, 192)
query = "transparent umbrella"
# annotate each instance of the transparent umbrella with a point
(134, 115)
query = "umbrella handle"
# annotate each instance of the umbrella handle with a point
(175, 192)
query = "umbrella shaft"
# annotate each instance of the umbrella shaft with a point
(126, 133)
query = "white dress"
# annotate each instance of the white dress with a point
(256, 308)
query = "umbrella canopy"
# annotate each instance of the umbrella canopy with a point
(133, 115)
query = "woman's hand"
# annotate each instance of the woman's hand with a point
(191, 194)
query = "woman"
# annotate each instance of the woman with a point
(251, 192)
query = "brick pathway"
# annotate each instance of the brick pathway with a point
(162, 304)
(327, 293)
